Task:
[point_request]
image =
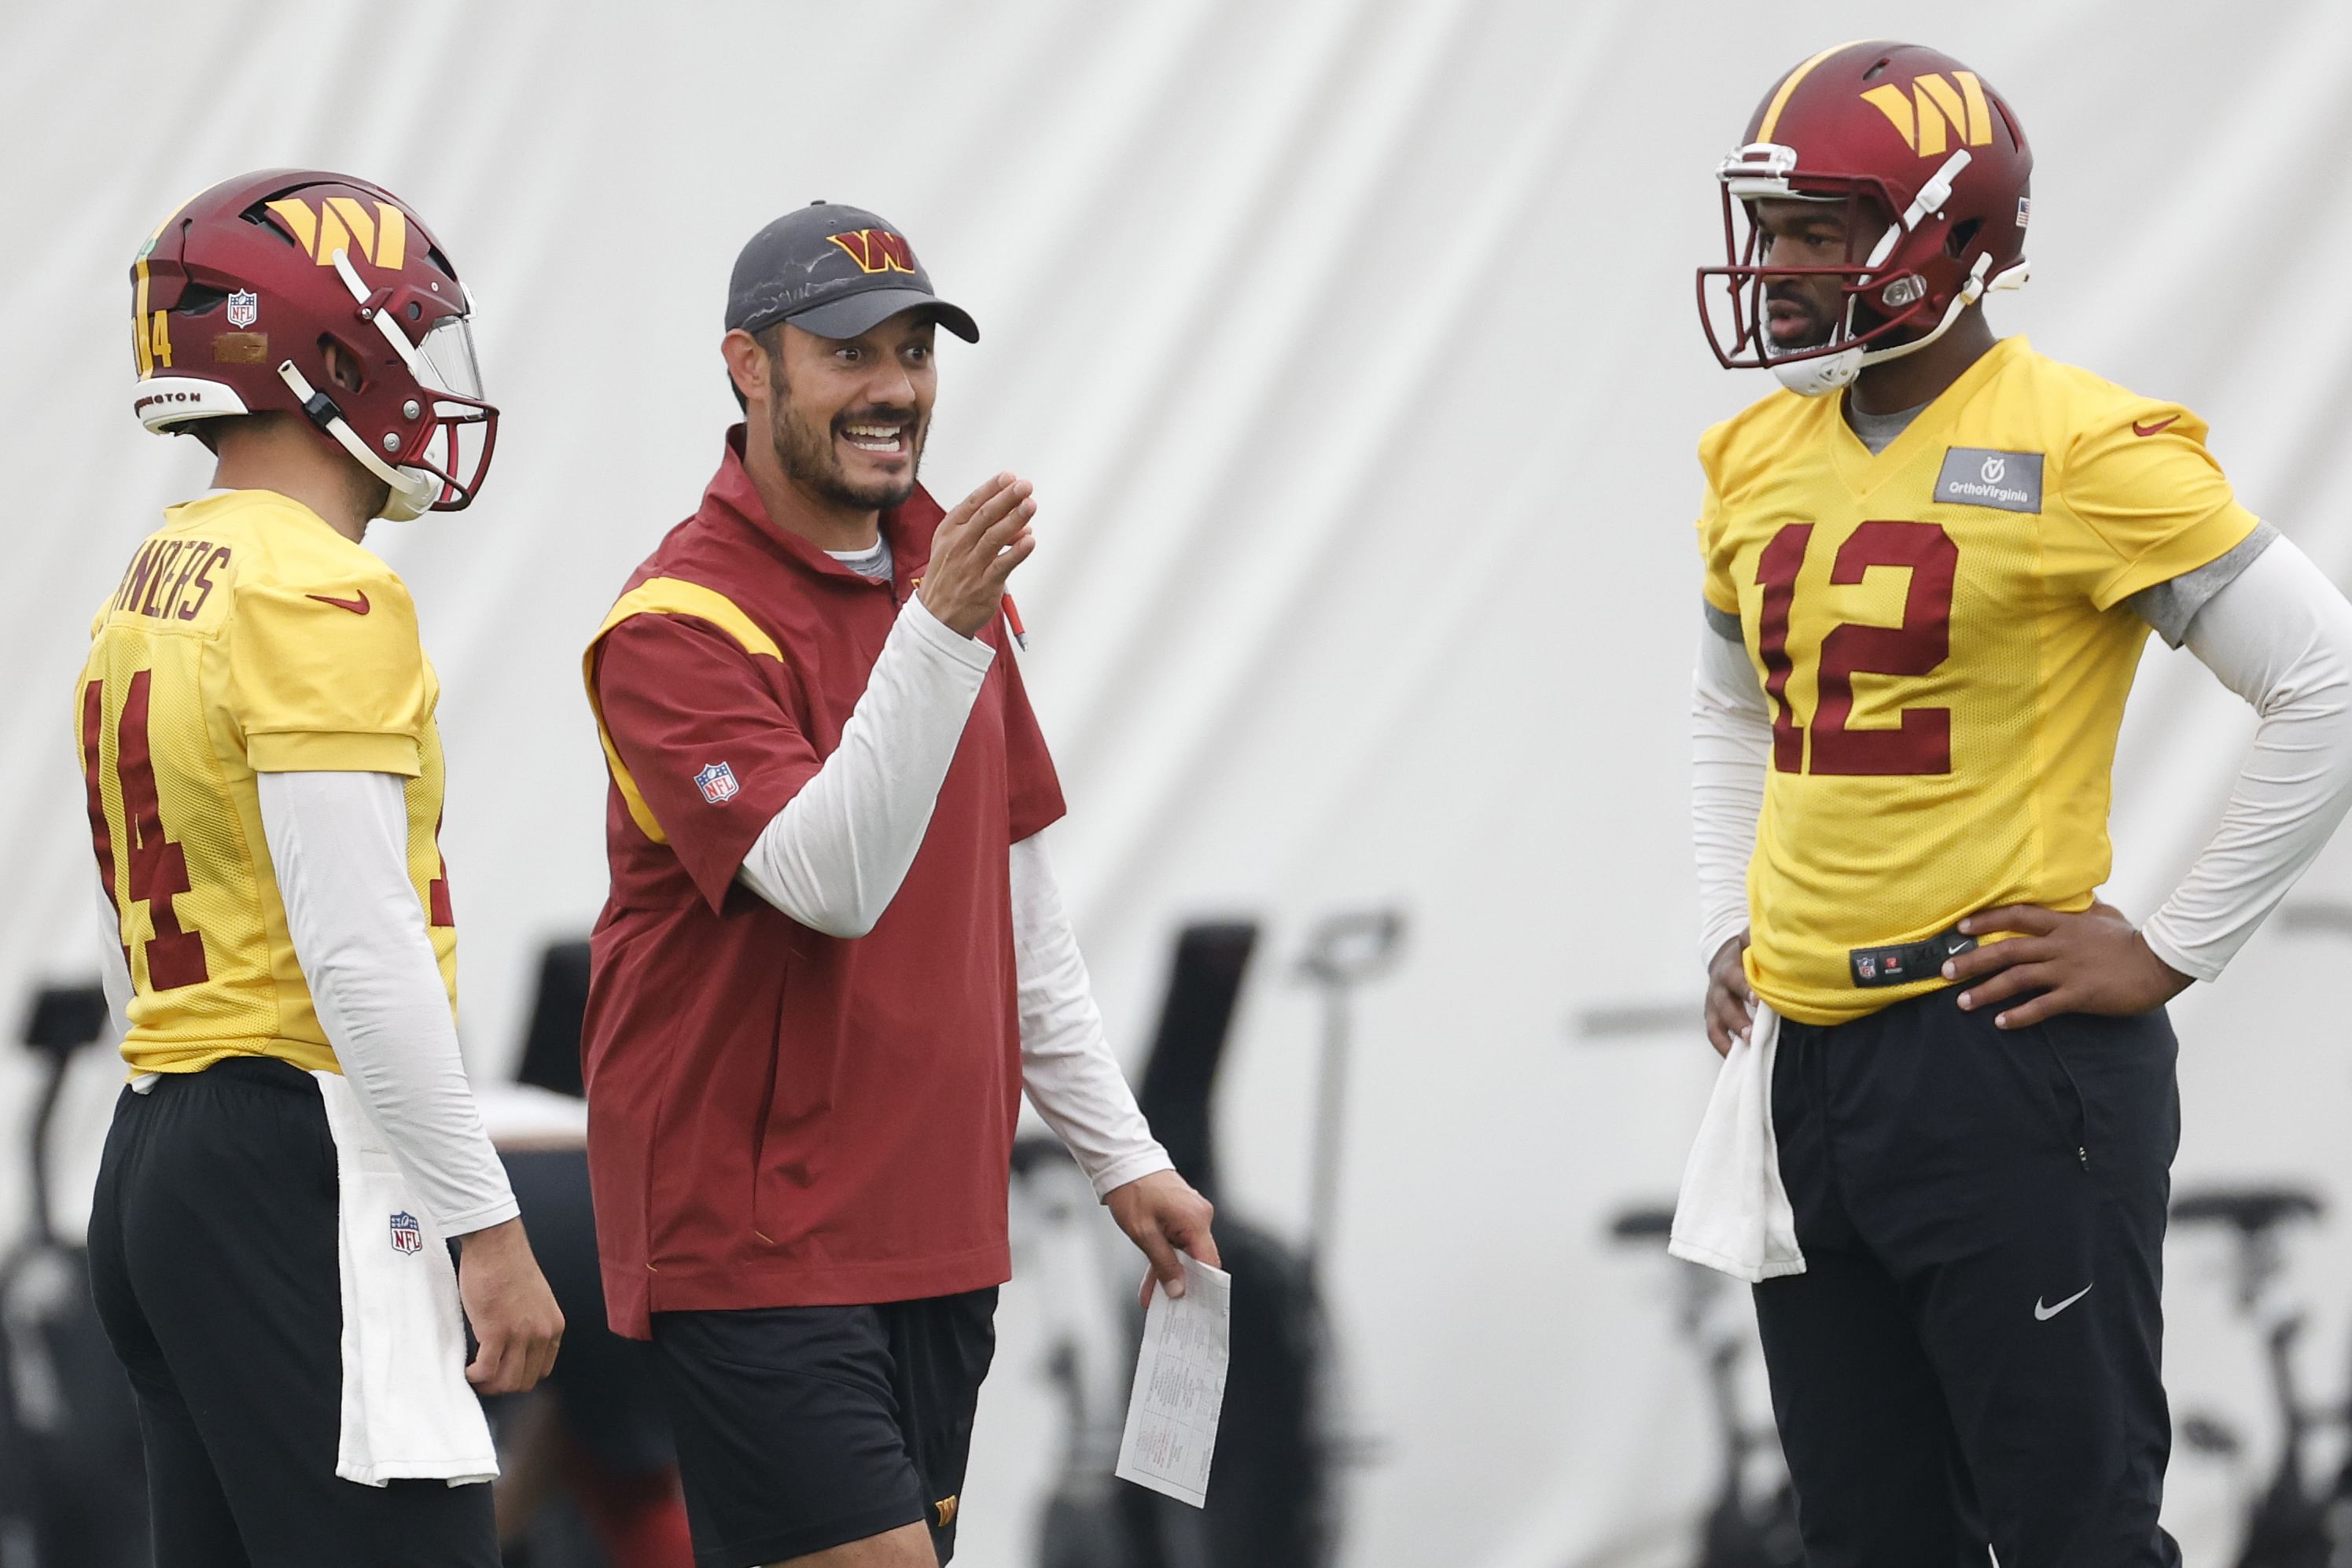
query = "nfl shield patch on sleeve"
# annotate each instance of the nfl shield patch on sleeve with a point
(717, 784)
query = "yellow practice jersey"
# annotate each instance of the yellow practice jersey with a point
(1942, 636)
(246, 636)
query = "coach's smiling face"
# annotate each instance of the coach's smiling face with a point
(848, 415)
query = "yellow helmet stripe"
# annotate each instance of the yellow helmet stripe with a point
(146, 354)
(1788, 86)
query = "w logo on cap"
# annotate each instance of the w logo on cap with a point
(877, 249)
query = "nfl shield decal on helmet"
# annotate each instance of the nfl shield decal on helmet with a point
(244, 307)
(717, 784)
(408, 1235)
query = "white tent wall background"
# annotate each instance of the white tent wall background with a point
(1350, 347)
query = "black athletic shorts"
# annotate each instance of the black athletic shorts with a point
(800, 1428)
(213, 1261)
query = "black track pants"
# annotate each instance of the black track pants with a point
(213, 1259)
(1973, 1355)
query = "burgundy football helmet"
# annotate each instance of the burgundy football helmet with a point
(1925, 141)
(235, 296)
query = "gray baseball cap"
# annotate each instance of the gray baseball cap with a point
(835, 271)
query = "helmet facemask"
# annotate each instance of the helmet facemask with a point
(1905, 293)
(440, 466)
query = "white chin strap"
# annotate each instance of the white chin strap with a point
(411, 492)
(1821, 374)
(1829, 372)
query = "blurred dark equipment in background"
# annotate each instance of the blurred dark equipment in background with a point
(590, 1474)
(2289, 1523)
(73, 1481)
(1271, 1491)
(551, 1047)
(1748, 1525)
(1345, 951)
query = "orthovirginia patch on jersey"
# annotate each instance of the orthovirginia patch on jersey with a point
(1978, 476)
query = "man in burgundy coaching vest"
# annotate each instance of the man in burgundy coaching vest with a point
(833, 955)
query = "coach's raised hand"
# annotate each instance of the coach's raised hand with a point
(975, 549)
(515, 1319)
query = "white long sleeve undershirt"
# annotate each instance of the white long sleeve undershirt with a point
(2280, 636)
(2278, 633)
(1731, 748)
(339, 841)
(834, 857)
(1067, 1064)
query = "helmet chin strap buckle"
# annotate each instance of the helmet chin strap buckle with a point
(408, 492)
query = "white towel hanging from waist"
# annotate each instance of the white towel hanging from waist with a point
(1733, 1214)
(409, 1412)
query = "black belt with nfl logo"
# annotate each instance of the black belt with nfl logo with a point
(1907, 963)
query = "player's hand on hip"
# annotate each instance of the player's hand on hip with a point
(2093, 962)
(1164, 1216)
(1731, 1003)
(974, 550)
(517, 1323)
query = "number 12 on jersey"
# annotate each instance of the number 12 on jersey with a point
(1922, 744)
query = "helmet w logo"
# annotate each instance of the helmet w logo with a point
(1936, 113)
(877, 249)
(342, 224)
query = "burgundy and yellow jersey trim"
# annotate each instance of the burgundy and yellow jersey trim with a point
(664, 596)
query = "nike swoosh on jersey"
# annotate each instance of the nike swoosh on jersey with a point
(2042, 1314)
(2140, 429)
(358, 606)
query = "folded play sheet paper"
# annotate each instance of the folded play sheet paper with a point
(1180, 1387)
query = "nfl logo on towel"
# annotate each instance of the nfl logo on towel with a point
(717, 782)
(408, 1235)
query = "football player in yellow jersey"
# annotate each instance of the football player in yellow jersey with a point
(1931, 563)
(298, 1144)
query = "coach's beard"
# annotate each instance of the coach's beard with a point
(811, 460)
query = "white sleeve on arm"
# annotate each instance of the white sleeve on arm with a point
(1731, 749)
(2280, 636)
(341, 844)
(834, 856)
(113, 967)
(1066, 1060)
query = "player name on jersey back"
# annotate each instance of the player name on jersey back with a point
(173, 579)
(1942, 636)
